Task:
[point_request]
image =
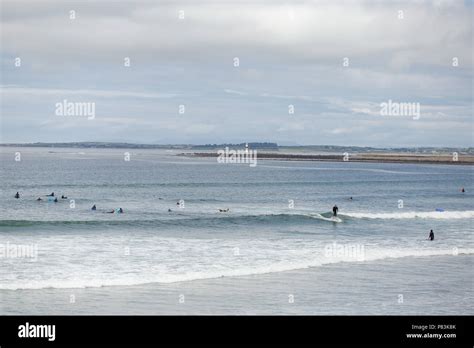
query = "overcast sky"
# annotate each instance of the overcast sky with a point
(289, 53)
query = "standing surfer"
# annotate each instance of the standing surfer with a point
(334, 210)
(431, 237)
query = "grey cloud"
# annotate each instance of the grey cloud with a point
(290, 53)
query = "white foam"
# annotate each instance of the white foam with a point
(320, 217)
(230, 271)
(468, 214)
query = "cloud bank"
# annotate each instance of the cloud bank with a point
(237, 68)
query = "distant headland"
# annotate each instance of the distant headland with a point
(273, 151)
(252, 145)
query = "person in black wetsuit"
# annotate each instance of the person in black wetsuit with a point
(17, 195)
(431, 237)
(51, 195)
(94, 207)
(334, 210)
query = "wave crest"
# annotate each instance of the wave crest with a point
(446, 215)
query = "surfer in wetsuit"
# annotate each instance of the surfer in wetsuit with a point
(39, 199)
(334, 210)
(462, 190)
(51, 195)
(94, 207)
(63, 197)
(56, 200)
(431, 236)
(17, 195)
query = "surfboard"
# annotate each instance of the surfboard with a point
(327, 217)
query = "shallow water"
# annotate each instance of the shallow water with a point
(403, 286)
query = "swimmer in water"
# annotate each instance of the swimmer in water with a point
(94, 207)
(17, 195)
(56, 200)
(431, 236)
(462, 190)
(63, 197)
(39, 199)
(169, 210)
(223, 210)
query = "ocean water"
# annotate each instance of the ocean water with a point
(278, 220)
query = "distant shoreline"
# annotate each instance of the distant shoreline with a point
(260, 146)
(321, 153)
(357, 157)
